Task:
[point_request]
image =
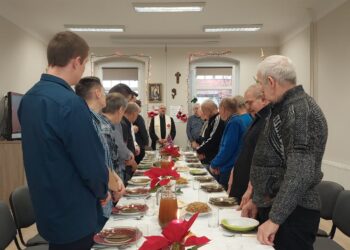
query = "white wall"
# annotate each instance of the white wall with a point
(23, 58)
(333, 67)
(297, 48)
(164, 65)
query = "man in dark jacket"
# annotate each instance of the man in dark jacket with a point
(257, 107)
(213, 133)
(141, 135)
(131, 112)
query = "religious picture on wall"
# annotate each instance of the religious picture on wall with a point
(154, 92)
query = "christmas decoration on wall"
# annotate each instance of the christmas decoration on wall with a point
(194, 100)
(173, 93)
(181, 116)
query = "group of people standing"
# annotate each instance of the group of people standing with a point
(81, 147)
(266, 150)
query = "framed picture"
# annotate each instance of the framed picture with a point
(155, 92)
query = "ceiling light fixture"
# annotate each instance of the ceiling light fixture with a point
(232, 28)
(169, 7)
(95, 28)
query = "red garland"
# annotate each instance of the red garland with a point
(176, 232)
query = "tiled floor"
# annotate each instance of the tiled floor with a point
(342, 239)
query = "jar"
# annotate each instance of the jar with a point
(167, 204)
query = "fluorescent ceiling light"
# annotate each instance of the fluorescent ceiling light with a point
(233, 28)
(169, 7)
(95, 28)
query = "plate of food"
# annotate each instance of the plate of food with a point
(241, 224)
(198, 172)
(136, 192)
(212, 188)
(118, 236)
(139, 181)
(182, 168)
(195, 165)
(203, 179)
(144, 166)
(181, 182)
(192, 160)
(198, 207)
(130, 209)
(223, 201)
(139, 172)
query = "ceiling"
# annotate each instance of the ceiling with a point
(280, 18)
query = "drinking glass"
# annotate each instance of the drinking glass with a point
(213, 220)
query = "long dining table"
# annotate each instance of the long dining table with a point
(220, 239)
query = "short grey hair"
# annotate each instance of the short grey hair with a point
(278, 67)
(209, 105)
(132, 108)
(114, 102)
(256, 90)
(240, 101)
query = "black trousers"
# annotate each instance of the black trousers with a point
(82, 244)
(298, 232)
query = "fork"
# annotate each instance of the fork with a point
(126, 218)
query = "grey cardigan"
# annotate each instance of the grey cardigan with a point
(286, 165)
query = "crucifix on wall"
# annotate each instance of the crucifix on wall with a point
(177, 75)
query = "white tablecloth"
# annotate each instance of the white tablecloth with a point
(200, 227)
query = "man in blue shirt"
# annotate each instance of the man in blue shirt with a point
(194, 126)
(63, 155)
(230, 143)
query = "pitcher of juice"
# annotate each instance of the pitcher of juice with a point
(165, 161)
(168, 204)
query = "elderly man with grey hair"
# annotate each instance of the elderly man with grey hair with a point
(286, 165)
(194, 125)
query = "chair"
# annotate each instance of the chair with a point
(8, 230)
(328, 191)
(341, 220)
(23, 213)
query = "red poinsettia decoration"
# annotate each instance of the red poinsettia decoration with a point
(162, 176)
(152, 114)
(175, 233)
(171, 151)
(181, 116)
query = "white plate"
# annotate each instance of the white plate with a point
(134, 181)
(241, 224)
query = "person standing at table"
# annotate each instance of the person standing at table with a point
(209, 147)
(91, 90)
(242, 111)
(161, 126)
(286, 165)
(258, 107)
(130, 115)
(230, 143)
(126, 158)
(63, 155)
(141, 135)
(194, 126)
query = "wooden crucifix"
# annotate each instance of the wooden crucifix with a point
(177, 75)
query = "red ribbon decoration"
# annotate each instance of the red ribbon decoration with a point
(175, 232)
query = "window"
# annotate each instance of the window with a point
(214, 83)
(113, 76)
